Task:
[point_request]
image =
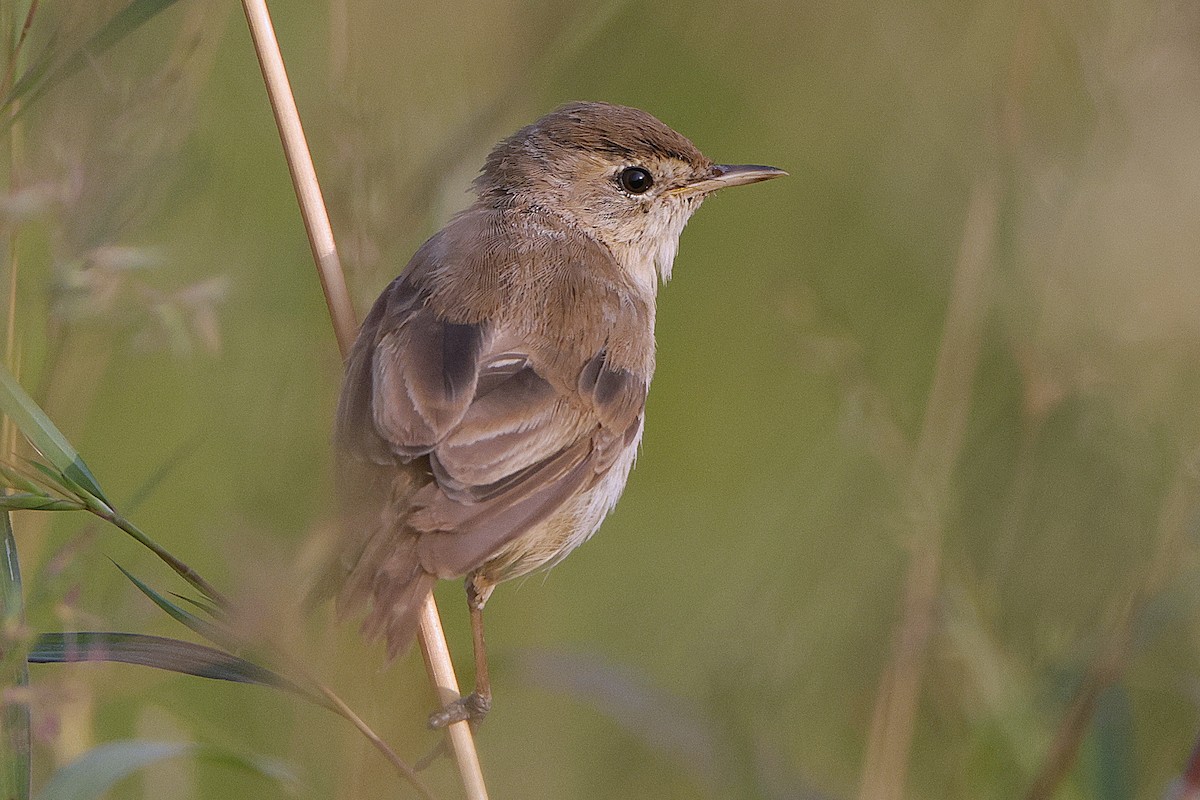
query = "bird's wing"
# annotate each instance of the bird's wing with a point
(505, 446)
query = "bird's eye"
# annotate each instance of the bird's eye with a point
(635, 180)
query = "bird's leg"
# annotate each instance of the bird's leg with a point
(475, 706)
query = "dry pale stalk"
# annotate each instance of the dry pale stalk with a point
(347, 713)
(441, 673)
(304, 175)
(333, 282)
(885, 767)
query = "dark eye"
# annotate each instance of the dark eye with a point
(635, 180)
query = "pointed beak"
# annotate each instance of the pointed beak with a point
(722, 175)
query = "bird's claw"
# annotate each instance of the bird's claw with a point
(474, 707)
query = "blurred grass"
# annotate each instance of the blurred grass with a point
(752, 574)
(16, 742)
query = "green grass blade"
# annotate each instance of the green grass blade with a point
(15, 746)
(37, 502)
(123, 23)
(181, 453)
(1114, 773)
(172, 655)
(42, 433)
(214, 633)
(15, 480)
(48, 472)
(20, 12)
(95, 772)
(43, 74)
(207, 608)
(11, 605)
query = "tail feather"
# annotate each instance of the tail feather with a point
(381, 570)
(388, 578)
(400, 617)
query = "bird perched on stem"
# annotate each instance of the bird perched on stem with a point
(493, 401)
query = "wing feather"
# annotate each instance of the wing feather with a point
(483, 433)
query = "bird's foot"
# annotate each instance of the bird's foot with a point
(474, 707)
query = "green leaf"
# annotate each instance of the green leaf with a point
(207, 608)
(1114, 744)
(181, 453)
(59, 480)
(214, 633)
(20, 10)
(50, 476)
(98, 770)
(43, 435)
(11, 600)
(15, 744)
(43, 73)
(159, 652)
(38, 502)
(183, 570)
(15, 480)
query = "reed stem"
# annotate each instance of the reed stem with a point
(333, 282)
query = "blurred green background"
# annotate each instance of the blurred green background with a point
(917, 496)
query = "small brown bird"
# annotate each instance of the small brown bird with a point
(493, 400)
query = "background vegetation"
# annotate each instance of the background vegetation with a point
(916, 509)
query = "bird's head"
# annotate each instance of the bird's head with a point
(617, 173)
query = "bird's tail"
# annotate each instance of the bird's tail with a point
(390, 579)
(378, 567)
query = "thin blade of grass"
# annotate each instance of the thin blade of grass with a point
(207, 608)
(43, 435)
(190, 575)
(11, 605)
(152, 482)
(49, 474)
(159, 652)
(37, 502)
(57, 479)
(16, 744)
(188, 658)
(98, 770)
(35, 72)
(15, 480)
(1114, 765)
(927, 500)
(333, 284)
(43, 74)
(214, 633)
(21, 11)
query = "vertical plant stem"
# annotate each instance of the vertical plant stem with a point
(333, 281)
(304, 174)
(16, 744)
(885, 768)
(441, 673)
(16, 740)
(15, 46)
